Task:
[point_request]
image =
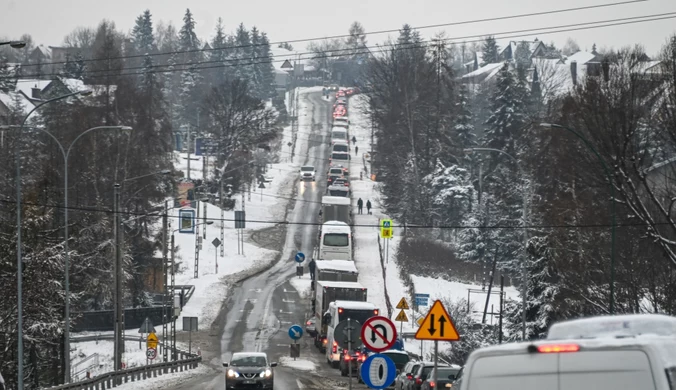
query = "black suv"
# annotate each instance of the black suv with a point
(249, 370)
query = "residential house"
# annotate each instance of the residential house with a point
(7, 102)
(537, 50)
(61, 54)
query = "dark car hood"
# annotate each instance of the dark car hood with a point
(248, 369)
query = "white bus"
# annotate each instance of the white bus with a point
(335, 241)
(340, 311)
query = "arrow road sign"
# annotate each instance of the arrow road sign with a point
(378, 334)
(403, 304)
(295, 332)
(437, 325)
(300, 257)
(378, 371)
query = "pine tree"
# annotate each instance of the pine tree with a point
(243, 51)
(522, 56)
(356, 41)
(220, 54)
(464, 127)
(189, 96)
(74, 68)
(268, 70)
(541, 294)
(7, 76)
(507, 116)
(142, 34)
(256, 81)
(491, 51)
(187, 38)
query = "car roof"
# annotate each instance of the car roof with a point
(245, 354)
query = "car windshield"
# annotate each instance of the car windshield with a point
(355, 314)
(336, 239)
(399, 359)
(307, 169)
(340, 148)
(336, 171)
(248, 361)
(340, 156)
(339, 135)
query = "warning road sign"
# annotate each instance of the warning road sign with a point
(378, 334)
(437, 325)
(401, 317)
(151, 341)
(403, 304)
(420, 320)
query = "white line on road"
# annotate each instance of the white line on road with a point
(300, 384)
(288, 300)
(291, 291)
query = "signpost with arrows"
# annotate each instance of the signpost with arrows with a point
(437, 325)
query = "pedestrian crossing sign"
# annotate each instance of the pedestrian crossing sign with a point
(386, 228)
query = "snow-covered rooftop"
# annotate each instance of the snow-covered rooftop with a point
(354, 305)
(581, 57)
(625, 325)
(336, 265)
(335, 200)
(330, 283)
(26, 85)
(484, 73)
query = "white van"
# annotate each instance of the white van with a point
(341, 121)
(341, 311)
(598, 353)
(335, 241)
(338, 134)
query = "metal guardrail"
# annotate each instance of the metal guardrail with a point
(111, 379)
(93, 360)
(117, 378)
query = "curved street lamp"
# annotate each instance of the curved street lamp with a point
(609, 176)
(14, 44)
(19, 254)
(524, 272)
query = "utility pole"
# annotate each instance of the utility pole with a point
(204, 219)
(165, 251)
(197, 241)
(173, 302)
(188, 147)
(119, 342)
(220, 195)
(242, 230)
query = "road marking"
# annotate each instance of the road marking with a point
(288, 301)
(291, 291)
(252, 300)
(258, 290)
(300, 384)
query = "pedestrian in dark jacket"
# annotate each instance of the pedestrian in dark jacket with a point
(368, 207)
(360, 205)
(354, 139)
(312, 266)
(356, 150)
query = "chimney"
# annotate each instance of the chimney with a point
(573, 71)
(36, 92)
(606, 70)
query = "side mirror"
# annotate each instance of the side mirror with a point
(273, 364)
(225, 364)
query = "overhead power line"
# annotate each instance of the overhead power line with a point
(474, 21)
(275, 222)
(423, 44)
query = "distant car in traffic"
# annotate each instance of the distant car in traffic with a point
(311, 326)
(445, 378)
(249, 370)
(307, 172)
(354, 358)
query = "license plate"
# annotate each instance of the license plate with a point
(249, 382)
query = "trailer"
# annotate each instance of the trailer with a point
(330, 291)
(336, 271)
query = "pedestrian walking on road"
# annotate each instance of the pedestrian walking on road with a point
(356, 150)
(368, 207)
(312, 265)
(360, 205)
(354, 139)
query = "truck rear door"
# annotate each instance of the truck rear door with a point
(514, 372)
(606, 370)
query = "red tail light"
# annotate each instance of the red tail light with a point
(325, 341)
(418, 381)
(409, 376)
(347, 357)
(340, 310)
(375, 312)
(431, 384)
(335, 347)
(308, 323)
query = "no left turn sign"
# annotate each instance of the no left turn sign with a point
(378, 334)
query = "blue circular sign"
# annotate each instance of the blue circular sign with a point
(295, 332)
(378, 371)
(300, 257)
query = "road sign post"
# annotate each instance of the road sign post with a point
(349, 351)
(386, 230)
(434, 327)
(378, 334)
(190, 325)
(295, 333)
(216, 242)
(378, 371)
(262, 187)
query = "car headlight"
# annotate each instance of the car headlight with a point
(265, 374)
(233, 374)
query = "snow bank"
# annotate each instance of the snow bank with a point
(298, 364)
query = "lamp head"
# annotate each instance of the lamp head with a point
(17, 44)
(86, 92)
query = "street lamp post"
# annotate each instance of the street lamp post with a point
(118, 344)
(173, 290)
(19, 254)
(14, 44)
(612, 206)
(524, 272)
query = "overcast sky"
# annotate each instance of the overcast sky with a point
(48, 21)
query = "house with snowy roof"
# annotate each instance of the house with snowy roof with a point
(9, 101)
(537, 49)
